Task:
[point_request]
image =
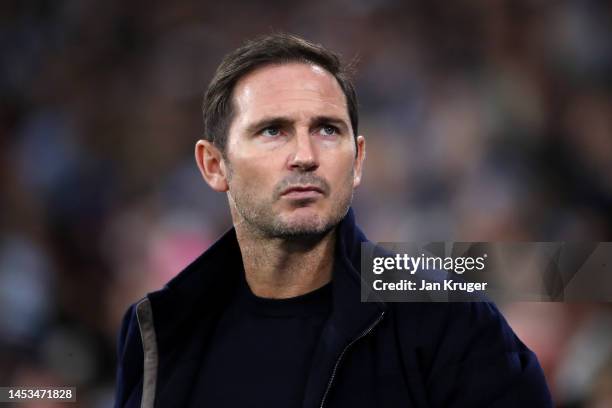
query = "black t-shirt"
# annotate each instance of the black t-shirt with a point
(260, 352)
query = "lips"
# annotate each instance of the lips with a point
(302, 191)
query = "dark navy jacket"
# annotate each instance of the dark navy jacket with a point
(369, 354)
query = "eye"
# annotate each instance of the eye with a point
(328, 130)
(271, 131)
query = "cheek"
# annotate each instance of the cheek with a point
(341, 173)
(251, 176)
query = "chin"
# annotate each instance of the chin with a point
(303, 218)
(303, 222)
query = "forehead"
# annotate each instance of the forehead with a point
(288, 89)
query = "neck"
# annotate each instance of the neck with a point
(282, 268)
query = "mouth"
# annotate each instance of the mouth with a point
(302, 192)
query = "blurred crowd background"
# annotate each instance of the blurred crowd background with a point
(486, 120)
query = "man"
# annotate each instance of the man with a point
(270, 315)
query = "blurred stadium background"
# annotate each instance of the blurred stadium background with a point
(486, 120)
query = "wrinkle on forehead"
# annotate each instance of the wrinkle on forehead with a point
(292, 82)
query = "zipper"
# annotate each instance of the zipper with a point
(333, 375)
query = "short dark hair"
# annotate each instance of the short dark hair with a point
(279, 48)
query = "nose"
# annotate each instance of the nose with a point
(304, 157)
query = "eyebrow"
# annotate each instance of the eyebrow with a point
(332, 120)
(281, 121)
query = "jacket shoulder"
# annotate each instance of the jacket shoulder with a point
(469, 355)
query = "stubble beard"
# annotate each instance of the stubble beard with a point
(259, 219)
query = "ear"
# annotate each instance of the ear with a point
(212, 165)
(359, 158)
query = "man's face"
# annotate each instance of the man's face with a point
(290, 153)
